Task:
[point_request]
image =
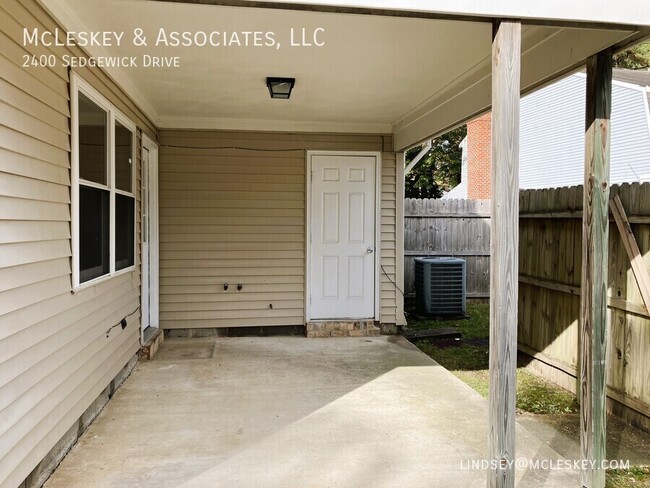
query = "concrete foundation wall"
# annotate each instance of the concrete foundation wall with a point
(46, 467)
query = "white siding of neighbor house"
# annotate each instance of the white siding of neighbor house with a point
(235, 216)
(55, 358)
(460, 190)
(552, 135)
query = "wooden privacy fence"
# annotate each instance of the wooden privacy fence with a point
(459, 228)
(550, 257)
(550, 260)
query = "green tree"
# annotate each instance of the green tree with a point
(439, 170)
(637, 57)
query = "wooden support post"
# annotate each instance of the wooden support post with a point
(504, 248)
(593, 298)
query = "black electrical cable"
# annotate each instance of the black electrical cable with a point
(394, 284)
(240, 148)
(121, 322)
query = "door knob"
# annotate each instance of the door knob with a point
(370, 250)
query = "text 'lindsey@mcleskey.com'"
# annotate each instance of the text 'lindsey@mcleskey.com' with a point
(542, 464)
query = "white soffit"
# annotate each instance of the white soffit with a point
(375, 74)
(624, 12)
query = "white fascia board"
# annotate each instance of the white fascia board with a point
(225, 123)
(62, 12)
(546, 54)
(623, 12)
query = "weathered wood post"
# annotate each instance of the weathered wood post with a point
(504, 250)
(593, 301)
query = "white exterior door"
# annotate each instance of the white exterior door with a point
(145, 320)
(342, 236)
(149, 235)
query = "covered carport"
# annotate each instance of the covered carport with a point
(458, 61)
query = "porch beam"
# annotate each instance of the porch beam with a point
(469, 95)
(593, 297)
(504, 248)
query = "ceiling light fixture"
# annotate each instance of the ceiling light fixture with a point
(280, 87)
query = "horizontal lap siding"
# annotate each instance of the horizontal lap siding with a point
(388, 290)
(235, 216)
(55, 358)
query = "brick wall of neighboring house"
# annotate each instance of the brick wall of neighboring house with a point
(479, 155)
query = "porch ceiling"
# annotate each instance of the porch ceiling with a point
(378, 74)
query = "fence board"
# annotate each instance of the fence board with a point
(550, 261)
(459, 228)
(549, 294)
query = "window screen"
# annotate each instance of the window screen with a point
(93, 233)
(92, 141)
(123, 156)
(124, 231)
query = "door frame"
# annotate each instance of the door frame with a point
(377, 253)
(153, 288)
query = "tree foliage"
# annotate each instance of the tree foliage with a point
(439, 170)
(637, 57)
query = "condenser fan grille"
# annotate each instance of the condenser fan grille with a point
(440, 286)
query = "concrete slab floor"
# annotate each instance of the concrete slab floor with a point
(293, 412)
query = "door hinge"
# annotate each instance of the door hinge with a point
(311, 175)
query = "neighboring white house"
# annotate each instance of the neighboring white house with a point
(552, 135)
(460, 190)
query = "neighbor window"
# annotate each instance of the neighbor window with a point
(103, 200)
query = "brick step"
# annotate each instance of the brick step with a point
(342, 328)
(150, 347)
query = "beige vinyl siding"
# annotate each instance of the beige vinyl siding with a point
(236, 216)
(388, 292)
(55, 358)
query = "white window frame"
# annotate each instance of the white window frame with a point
(78, 84)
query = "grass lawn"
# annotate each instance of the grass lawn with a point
(468, 359)
(634, 477)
